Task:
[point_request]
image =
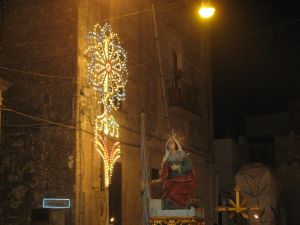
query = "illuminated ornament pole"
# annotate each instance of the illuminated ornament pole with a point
(107, 75)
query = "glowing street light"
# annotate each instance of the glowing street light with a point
(206, 10)
(256, 216)
(112, 221)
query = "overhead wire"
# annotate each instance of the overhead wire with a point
(190, 49)
(49, 122)
(257, 32)
(36, 74)
(37, 118)
(193, 48)
(24, 125)
(159, 8)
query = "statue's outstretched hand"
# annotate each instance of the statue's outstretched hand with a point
(175, 167)
(156, 181)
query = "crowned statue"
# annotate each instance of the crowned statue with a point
(177, 176)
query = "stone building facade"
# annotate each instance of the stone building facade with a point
(48, 144)
(38, 37)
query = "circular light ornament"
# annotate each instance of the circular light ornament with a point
(107, 66)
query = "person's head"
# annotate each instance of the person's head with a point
(172, 146)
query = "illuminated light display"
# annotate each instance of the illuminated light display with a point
(107, 75)
(107, 61)
(107, 125)
(109, 156)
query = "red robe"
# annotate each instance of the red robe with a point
(178, 189)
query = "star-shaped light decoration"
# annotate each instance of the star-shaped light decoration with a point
(107, 61)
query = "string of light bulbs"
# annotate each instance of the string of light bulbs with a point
(107, 76)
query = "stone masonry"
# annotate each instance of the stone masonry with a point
(38, 37)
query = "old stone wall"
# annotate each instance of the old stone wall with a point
(39, 59)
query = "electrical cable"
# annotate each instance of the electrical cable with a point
(37, 118)
(49, 122)
(150, 62)
(24, 125)
(167, 6)
(256, 32)
(34, 73)
(145, 63)
(160, 8)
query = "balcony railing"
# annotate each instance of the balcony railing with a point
(182, 94)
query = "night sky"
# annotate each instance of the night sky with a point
(256, 60)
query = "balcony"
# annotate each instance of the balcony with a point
(182, 95)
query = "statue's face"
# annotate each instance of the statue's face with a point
(172, 145)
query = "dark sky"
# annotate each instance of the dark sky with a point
(256, 60)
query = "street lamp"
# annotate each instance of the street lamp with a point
(112, 221)
(206, 10)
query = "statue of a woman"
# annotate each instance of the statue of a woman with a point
(177, 176)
